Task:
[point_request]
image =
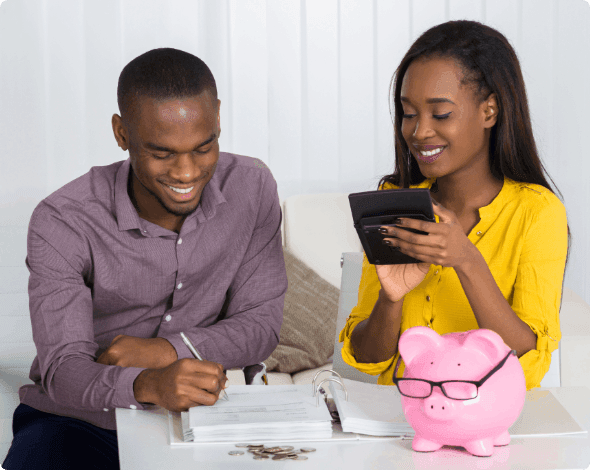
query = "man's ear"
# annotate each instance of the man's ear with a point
(120, 132)
(490, 110)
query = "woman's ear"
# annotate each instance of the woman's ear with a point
(490, 111)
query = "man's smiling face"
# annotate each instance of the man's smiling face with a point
(173, 147)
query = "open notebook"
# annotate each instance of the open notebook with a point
(377, 410)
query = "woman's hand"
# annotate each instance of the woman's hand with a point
(446, 244)
(399, 279)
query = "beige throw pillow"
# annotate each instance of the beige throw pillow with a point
(309, 320)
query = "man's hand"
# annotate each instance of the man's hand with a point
(130, 351)
(181, 385)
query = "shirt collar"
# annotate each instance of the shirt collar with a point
(128, 218)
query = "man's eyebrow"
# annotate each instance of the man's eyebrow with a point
(429, 100)
(158, 148)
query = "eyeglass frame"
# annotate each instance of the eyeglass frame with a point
(478, 383)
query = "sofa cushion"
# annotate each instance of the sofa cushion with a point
(309, 320)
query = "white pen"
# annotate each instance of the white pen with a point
(195, 353)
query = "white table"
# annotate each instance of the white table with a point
(143, 444)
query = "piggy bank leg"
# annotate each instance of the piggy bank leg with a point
(481, 448)
(419, 444)
(502, 439)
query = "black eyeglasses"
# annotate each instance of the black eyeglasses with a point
(453, 389)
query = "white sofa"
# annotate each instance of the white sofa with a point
(317, 229)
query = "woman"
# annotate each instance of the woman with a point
(496, 257)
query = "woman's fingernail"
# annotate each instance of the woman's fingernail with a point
(383, 230)
(397, 221)
(387, 242)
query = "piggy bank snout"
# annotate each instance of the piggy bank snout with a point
(438, 407)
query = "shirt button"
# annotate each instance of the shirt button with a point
(105, 409)
(436, 272)
(133, 407)
(179, 241)
(479, 233)
(168, 317)
(179, 285)
(428, 298)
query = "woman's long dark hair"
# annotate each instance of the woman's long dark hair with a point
(489, 65)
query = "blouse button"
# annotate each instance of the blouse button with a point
(179, 286)
(179, 241)
(479, 233)
(428, 298)
(105, 409)
(168, 317)
(133, 407)
(436, 272)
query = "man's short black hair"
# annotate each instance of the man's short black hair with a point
(164, 73)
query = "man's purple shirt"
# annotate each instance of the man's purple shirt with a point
(98, 270)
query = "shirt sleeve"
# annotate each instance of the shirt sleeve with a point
(248, 330)
(538, 286)
(60, 305)
(368, 294)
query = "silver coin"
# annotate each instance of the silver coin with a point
(300, 457)
(242, 445)
(307, 449)
(272, 450)
(236, 452)
(279, 457)
(261, 457)
(287, 448)
(292, 456)
(255, 446)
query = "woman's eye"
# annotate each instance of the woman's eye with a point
(441, 116)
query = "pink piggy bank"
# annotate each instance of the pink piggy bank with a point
(478, 391)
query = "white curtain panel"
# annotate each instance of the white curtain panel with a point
(304, 86)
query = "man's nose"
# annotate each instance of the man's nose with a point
(185, 170)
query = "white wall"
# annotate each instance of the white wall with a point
(303, 83)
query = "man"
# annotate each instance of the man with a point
(180, 237)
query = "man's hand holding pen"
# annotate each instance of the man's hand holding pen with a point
(181, 385)
(171, 383)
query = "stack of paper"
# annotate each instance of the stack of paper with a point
(258, 413)
(370, 409)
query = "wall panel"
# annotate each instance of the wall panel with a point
(356, 95)
(320, 106)
(248, 39)
(284, 26)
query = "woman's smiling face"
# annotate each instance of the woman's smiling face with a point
(445, 126)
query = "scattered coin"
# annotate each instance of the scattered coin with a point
(272, 449)
(255, 446)
(260, 457)
(242, 445)
(236, 452)
(279, 457)
(292, 456)
(300, 457)
(307, 449)
(287, 448)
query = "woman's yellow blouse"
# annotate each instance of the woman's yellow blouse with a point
(522, 235)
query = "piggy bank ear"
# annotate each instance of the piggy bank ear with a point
(489, 342)
(416, 340)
